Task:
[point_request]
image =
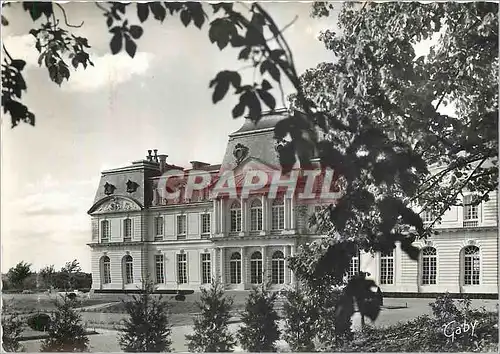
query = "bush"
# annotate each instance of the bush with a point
(259, 330)
(66, 331)
(300, 317)
(39, 322)
(147, 329)
(426, 333)
(12, 328)
(211, 327)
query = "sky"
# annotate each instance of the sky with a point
(110, 115)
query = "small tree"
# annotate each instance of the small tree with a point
(259, 330)
(148, 328)
(300, 318)
(211, 327)
(12, 327)
(66, 332)
(19, 273)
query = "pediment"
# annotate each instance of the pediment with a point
(115, 204)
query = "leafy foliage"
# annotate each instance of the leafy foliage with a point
(66, 332)
(19, 273)
(211, 327)
(259, 330)
(12, 328)
(425, 333)
(147, 329)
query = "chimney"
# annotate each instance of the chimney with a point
(156, 155)
(163, 162)
(198, 164)
(149, 155)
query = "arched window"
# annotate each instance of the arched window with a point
(429, 265)
(278, 214)
(387, 268)
(235, 268)
(128, 269)
(472, 265)
(105, 231)
(256, 268)
(278, 268)
(235, 217)
(106, 270)
(256, 215)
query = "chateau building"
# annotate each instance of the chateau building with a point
(184, 243)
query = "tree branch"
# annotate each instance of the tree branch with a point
(66, 18)
(6, 52)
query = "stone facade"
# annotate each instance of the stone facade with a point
(185, 244)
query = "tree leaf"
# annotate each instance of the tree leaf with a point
(136, 31)
(238, 110)
(185, 17)
(244, 53)
(116, 43)
(270, 67)
(267, 98)
(130, 46)
(142, 11)
(158, 11)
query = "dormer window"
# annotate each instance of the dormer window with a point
(109, 188)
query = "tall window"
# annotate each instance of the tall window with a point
(206, 271)
(159, 269)
(127, 230)
(472, 266)
(128, 269)
(256, 215)
(235, 217)
(471, 212)
(205, 225)
(235, 268)
(427, 216)
(278, 214)
(182, 268)
(353, 266)
(158, 228)
(256, 268)
(181, 227)
(278, 268)
(105, 231)
(106, 270)
(429, 266)
(387, 268)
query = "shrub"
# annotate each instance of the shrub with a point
(148, 328)
(211, 327)
(39, 322)
(66, 331)
(300, 317)
(259, 330)
(12, 328)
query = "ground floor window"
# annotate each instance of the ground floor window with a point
(471, 265)
(235, 268)
(106, 270)
(387, 268)
(206, 271)
(182, 268)
(256, 268)
(278, 268)
(128, 269)
(159, 269)
(429, 266)
(353, 266)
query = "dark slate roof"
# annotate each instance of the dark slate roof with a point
(258, 138)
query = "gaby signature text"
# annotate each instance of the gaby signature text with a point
(453, 328)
